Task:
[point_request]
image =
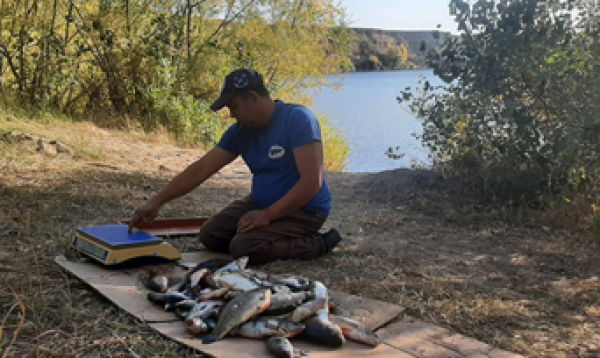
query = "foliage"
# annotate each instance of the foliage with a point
(335, 146)
(107, 57)
(518, 110)
(379, 51)
(190, 119)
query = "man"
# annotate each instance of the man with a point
(289, 201)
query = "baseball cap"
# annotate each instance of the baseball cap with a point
(240, 79)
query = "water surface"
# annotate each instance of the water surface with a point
(367, 111)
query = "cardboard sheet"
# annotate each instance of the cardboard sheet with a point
(240, 347)
(125, 288)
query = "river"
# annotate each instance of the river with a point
(366, 109)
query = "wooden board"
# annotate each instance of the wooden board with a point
(125, 288)
(421, 339)
(239, 347)
(372, 313)
(172, 227)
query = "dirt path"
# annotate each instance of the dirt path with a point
(409, 238)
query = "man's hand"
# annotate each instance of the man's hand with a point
(144, 215)
(253, 220)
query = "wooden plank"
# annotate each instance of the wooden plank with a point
(461, 344)
(372, 313)
(423, 339)
(172, 226)
(123, 287)
(239, 347)
(412, 338)
(498, 353)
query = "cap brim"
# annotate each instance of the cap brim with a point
(220, 102)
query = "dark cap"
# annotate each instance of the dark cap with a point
(238, 80)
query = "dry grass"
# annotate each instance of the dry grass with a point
(409, 239)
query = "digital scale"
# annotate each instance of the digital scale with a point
(114, 244)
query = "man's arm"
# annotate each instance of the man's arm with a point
(309, 160)
(183, 183)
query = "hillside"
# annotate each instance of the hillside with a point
(378, 42)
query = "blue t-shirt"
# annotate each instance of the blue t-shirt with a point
(268, 152)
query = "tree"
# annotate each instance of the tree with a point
(162, 61)
(520, 93)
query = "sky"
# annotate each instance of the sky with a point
(400, 14)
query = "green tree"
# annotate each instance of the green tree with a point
(517, 111)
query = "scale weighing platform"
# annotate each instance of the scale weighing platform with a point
(114, 244)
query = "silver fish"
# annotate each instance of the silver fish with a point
(158, 283)
(319, 291)
(281, 347)
(204, 309)
(238, 311)
(212, 294)
(263, 327)
(196, 326)
(322, 331)
(308, 309)
(236, 265)
(235, 280)
(354, 330)
(196, 276)
(286, 299)
(295, 283)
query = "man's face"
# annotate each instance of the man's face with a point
(244, 110)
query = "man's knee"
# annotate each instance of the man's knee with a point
(244, 245)
(211, 241)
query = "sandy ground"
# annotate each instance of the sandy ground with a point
(410, 237)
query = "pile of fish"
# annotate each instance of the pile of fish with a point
(217, 298)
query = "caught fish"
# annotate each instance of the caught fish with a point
(354, 330)
(196, 276)
(231, 294)
(286, 299)
(308, 309)
(211, 264)
(281, 347)
(185, 305)
(263, 327)
(211, 323)
(319, 291)
(196, 326)
(295, 283)
(167, 297)
(278, 288)
(236, 280)
(236, 265)
(279, 310)
(212, 294)
(322, 331)
(158, 283)
(204, 309)
(207, 281)
(238, 311)
(177, 287)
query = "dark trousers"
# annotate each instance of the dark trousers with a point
(290, 237)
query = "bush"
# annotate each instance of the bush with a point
(517, 115)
